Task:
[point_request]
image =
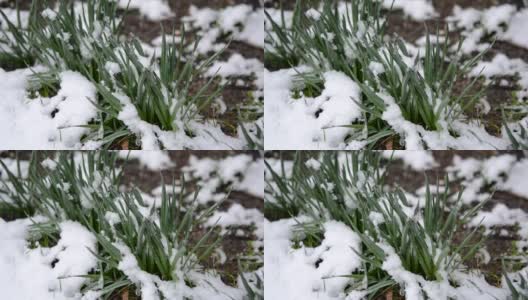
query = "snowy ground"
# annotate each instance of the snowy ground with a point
(325, 269)
(31, 269)
(316, 122)
(59, 121)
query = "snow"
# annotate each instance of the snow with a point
(494, 16)
(465, 18)
(49, 163)
(313, 163)
(418, 10)
(45, 123)
(499, 215)
(312, 123)
(417, 160)
(49, 13)
(500, 65)
(393, 266)
(212, 24)
(502, 172)
(516, 29)
(50, 281)
(237, 66)
(316, 123)
(504, 21)
(237, 215)
(19, 168)
(129, 266)
(407, 130)
(516, 181)
(334, 257)
(505, 172)
(154, 10)
(12, 16)
(241, 171)
(57, 273)
(503, 216)
(152, 160)
(74, 253)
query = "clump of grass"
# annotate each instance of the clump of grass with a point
(350, 40)
(87, 40)
(348, 188)
(86, 190)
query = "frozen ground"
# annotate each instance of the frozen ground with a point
(33, 269)
(59, 121)
(330, 268)
(320, 121)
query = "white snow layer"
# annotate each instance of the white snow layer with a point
(309, 123)
(44, 273)
(152, 160)
(316, 270)
(244, 23)
(416, 9)
(152, 9)
(417, 160)
(241, 171)
(505, 172)
(44, 123)
(504, 21)
(237, 215)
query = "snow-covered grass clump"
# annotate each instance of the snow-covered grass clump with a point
(334, 226)
(77, 233)
(335, 80)
(76, 82)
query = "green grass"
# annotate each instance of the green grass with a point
(358, 38)
(519, 286)
(255, 290)
(160, 89)
(349, 189)
(518, 138)
(87, 190)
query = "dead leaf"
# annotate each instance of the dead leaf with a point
(124, 144)
(388, 295)
(124, 294)
(389, 144)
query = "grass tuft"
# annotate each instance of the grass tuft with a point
(86, 39)
(349, 38)
(86, 190)
(348, 188)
